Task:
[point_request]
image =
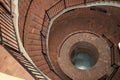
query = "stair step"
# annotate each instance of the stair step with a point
(53, 76)
(41, 62)
(43, 67)
(34, 53)
(38, 19)
(33, 47)
(73, 2)
(46, 71)
(37, 58)
(33, 36)
(34, 30)
(38, 26)
(33, 42)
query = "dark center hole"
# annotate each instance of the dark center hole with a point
(84, 56)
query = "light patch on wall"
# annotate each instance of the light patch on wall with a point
(8, 77)
(119, 45)
(33, 30)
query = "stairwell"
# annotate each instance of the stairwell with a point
(30, 32)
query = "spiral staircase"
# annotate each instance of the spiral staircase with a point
(45, 26)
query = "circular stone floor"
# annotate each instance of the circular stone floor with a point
(100, 68)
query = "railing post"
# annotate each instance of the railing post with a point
(47, 15)
(113, 73)
(11, 8)
(112, 56)
(42, 34)
(85, 2)
(64, 4)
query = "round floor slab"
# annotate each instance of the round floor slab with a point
(82, 56)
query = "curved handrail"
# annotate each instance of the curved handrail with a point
(26, 15)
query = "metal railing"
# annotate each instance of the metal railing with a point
(8, 39)
(111, 44)
(60, 6)
(113, 61)
(56, 9)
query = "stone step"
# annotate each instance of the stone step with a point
(35, 53)
(39, 63)
(53, 76)
(33, 42)
(33, 36)
(43, 66)
(33, 47)
(37, 58)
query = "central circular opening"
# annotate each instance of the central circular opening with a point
(82, 60)
(84, 55)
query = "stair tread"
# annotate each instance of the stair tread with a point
(41, 62)
(53, 76)
(37, 58)
(43, 67)
(34, 53)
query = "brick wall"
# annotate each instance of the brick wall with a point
(23, 6)
(37, 6)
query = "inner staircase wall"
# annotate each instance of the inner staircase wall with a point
(10, 66)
